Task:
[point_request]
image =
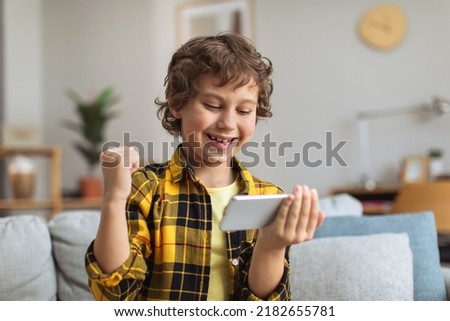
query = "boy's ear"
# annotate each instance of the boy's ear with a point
(175, 113)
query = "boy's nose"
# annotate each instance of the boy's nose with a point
(227, 121)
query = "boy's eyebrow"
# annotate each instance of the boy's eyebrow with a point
(214, 95)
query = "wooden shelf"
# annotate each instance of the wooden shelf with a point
(67, 204)
(31, 151)
(81, 203)
(54, 204)
(361, 191)
(25, 204)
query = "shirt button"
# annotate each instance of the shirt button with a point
(235, 262)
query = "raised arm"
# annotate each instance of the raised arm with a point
(111, 246)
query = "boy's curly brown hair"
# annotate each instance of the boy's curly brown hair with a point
(230, 57)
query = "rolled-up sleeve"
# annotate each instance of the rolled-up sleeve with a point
(282, 291)
(126, 281)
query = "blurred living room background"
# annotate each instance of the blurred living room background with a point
(325, 75)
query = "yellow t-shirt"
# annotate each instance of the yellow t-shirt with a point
(219, 282)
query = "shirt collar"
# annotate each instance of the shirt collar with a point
(178, 166)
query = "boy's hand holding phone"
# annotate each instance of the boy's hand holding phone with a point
(296, 221)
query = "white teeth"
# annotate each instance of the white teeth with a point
(220, 140)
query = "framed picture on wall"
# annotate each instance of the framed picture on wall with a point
(211, 17)
(414, 169)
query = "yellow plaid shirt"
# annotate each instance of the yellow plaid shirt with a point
(169, 219)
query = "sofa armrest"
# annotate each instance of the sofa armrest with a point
(446, 273)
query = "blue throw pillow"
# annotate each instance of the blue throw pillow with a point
(428, 279)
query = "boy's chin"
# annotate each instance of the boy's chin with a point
(217, 160)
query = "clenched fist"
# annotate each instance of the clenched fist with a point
(117, 166)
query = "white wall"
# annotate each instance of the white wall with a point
(23, 62)
(90, 45)
(23, 68)
(323, 76)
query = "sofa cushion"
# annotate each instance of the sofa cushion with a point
(71, 233)
(341, 268)
(27, 271)
(421, 229)
(446, 274)
(341, 205)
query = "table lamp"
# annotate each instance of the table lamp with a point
(438, 107)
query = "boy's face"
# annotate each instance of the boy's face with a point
(218, 121)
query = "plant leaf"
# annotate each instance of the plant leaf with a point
(75, 97)
(91, 153)
(93, 119)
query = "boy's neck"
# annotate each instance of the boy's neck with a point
(214, 177)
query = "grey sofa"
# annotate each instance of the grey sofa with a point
(384, 257)
(45, 260)
(349, 256)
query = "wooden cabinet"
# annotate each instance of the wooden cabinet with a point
(376, 201)
(429, 196)
(54, 202)
(409, 198)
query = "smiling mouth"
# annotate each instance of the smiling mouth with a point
(223, 141)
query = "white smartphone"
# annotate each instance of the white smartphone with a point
(246, 212)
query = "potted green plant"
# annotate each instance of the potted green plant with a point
(94, 114)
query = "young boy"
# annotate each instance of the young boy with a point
(161, 241)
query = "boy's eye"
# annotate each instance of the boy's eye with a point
(211, 106)
(245, 111)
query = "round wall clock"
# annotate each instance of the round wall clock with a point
(383, 27)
